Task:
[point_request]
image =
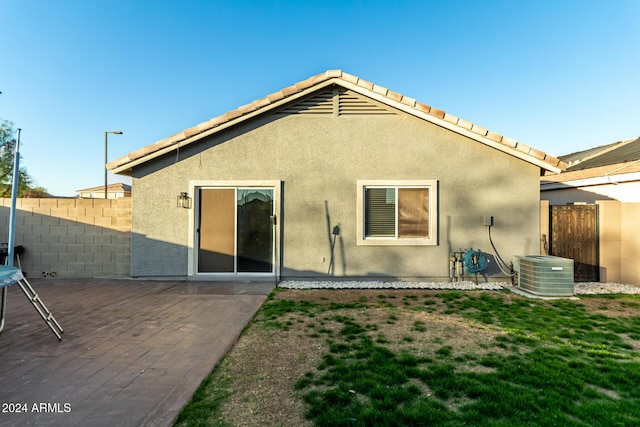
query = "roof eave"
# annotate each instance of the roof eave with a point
(587, 182)
(473, 131)
(125, 164)
(128, 165)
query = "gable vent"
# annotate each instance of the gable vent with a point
(353, 104)
(319, 103)
(334, 101)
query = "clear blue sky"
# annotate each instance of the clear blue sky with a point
(559, 75)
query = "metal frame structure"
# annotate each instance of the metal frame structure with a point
(11, 274)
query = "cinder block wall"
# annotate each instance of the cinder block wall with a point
(65, 238)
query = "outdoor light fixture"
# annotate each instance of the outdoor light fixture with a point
(115, 132)
(184, 201)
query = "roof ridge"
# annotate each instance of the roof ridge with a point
(390, 96)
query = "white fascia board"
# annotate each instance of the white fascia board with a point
(587, 182)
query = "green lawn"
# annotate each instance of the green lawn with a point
(413, 358)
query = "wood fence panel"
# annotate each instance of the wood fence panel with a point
(574, 235)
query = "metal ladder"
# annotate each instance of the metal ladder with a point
(35, 300)
(42, 309)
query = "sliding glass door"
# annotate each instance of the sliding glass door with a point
(236, 230)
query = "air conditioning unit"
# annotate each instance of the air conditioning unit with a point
(544, 275)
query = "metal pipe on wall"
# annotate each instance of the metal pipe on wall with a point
(14, 195)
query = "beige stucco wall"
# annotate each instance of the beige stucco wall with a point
(544, 227)
(71, 237)
(319, 160)
(626, 192)
(619, 242)
(630, 245)
(610, 240)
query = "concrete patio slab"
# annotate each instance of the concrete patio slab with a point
(132, 353)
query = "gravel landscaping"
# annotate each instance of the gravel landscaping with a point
(582, 288)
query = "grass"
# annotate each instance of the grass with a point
(504, 360)
(205, 404)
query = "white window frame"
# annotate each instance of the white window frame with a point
(432, 240)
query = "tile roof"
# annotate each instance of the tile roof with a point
(618, 158)
(612, 154)
(595, 172)
(111, 187)
(578, 156)
(364, 87)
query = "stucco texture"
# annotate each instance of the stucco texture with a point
(319, 160)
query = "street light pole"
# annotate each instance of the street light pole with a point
(115, 132)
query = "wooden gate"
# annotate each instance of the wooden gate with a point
(574, 234)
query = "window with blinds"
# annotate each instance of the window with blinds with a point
(402, 213)
(380, 212)
(396, 212)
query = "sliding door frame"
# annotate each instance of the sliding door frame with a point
(194, 219)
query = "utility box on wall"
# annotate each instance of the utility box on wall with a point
(545, 275)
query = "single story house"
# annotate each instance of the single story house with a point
(114, 191)
(333, 176)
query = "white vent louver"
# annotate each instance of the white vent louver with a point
(334, 101)
(319, 103)
(353, 104)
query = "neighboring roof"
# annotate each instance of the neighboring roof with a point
(575, 158)
(110, 188)
(393, 99)
(612, 154)
(599, 171)
(613, 163)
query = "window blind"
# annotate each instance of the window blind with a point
(380, 212)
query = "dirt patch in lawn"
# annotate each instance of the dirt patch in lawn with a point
(610, 307)
(296, 329)
(267, 361)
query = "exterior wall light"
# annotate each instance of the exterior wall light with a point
(184, 201)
